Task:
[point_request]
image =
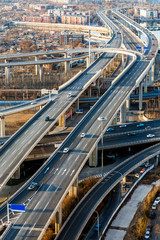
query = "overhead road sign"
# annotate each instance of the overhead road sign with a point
(79, 110)
(146, 48)
(17, 207)
(138, 48)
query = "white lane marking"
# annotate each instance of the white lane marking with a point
(64, 171)
(56, 170)
(46, 170)
(72, 172)
(67, 172)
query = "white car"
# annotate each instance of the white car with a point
(65, 150)
(83, 135)
(150, 135)
(123, 126)
(157, 200)
(69, 94)
(147, 235)
(154, 206)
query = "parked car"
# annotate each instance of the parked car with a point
(147, 235)
(33, 186)
(157, 200)
(142, 171)
(149, 228)
(152, 215)
(154, 206)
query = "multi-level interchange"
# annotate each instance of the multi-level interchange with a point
(59, 174)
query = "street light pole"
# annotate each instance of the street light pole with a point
(97, 221)
(102, 119)
(89, 41)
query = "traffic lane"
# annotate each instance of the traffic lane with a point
(120, 129)
(111, 205)
(32, 217)
(70, 231)
(85, 208)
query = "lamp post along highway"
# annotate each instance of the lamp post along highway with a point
(89, 41)
(71, 39)
(102, 119)
(97, 220)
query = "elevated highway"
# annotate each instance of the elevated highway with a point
(23, 141)
(61, 170)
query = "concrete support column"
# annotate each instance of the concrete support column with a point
(36, 66)
(108, 68)
(41, 73)
(87, 62)
(140, 96)
(7, 75)
(150, 78)
(2, 126)
(58, 219)
(17, 174)
(152, 73)
(62, 121)
(122, 62)
(73, 191)
(77, 104)
(104, 73)
(97, 84)
(145, 85)
(156, 158)
(123, 113)
(93, 159)
(89, 91)
(66, 66)
(128, 104)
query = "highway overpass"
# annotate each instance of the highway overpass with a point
(61, 170)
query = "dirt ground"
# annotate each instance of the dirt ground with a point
(15, 121)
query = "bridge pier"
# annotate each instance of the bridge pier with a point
(123, 113)
(145, 84)
(41, 73)
(128, 104)
(73, 191)
(140, 96)
(2, 126)
(152, 73)
(150, 78)
(7, 75)
(77, 104)
(87, 62)
(98, 87)
(122, 62)
(156, 159)
(17, 174)
(36, 66)
(58, 219)
(66, 64)
(62, 121)
(93, 159)
(89, 91)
